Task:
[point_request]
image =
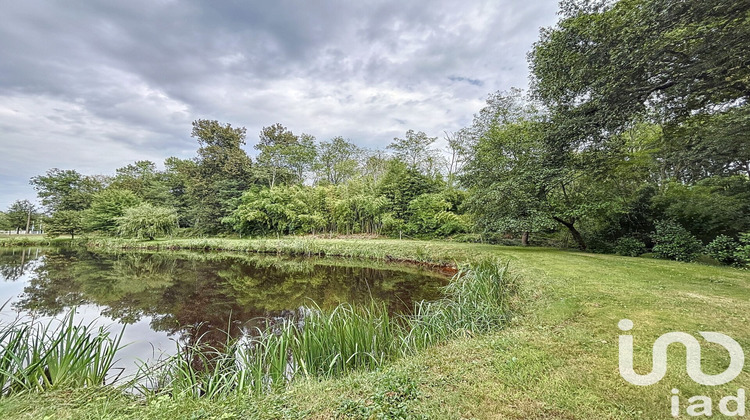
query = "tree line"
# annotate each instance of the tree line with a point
(632, 137)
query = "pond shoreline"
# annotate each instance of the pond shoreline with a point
(306, 247)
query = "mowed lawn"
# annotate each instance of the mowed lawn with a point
(558, 359)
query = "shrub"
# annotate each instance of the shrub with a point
(629, 247)
(723, 249)
(742, 254)
(674, 242)
(147, 221)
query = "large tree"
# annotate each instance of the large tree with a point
(606, 65)
(20, 215)
(337, 160)
(521, 181)
(144, 180)
(283, 155)
(217, 176)
(65, 189)
(416, 151)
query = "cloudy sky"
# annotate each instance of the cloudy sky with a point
(94, 86)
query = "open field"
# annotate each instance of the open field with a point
(559, 358)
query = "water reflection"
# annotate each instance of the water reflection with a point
(183, 295)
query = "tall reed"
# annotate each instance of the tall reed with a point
(36, 356)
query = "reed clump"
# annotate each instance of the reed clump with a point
(37, 356)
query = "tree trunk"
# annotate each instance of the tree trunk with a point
(28, 222)
(573, 232)
(525, 239)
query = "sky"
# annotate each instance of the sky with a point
(96, 85)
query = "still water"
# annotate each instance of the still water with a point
(169, 297)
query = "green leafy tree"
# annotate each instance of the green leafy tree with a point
(178, 176)
(521, 181)
(430, 215)
(107, 206)
(217, 177)
(65, 189)
(509, 180)
(337, 160)
(144, 180)
(605, 64)
(280, 210)
(147, 221)
(65, 222)
(416, 151)
(20, 215)
(458, 151)
(283, 155)
(357, 208)
(401, 184)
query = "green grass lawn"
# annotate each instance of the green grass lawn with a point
(558, 359)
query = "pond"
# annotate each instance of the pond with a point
(168, 297)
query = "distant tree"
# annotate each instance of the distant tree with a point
(281, 210)
(178, 176)
(375, 164)
(458, 151)
(509, 182)
(337, 160)
(65, 222)
(220, 173)
(415, 150)
(65, 189)
(19, 215)
(220, 152)
(429, 214)
(144, 180)
(106, 206)
(302, 156)
(284, 156)
(147, 221)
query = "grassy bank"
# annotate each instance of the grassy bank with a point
(32, 240)
(559, 360)
(431, 252)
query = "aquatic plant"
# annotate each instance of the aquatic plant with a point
(37, 356)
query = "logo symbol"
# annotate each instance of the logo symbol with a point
(692, 362)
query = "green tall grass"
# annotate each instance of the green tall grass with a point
(59, 354)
